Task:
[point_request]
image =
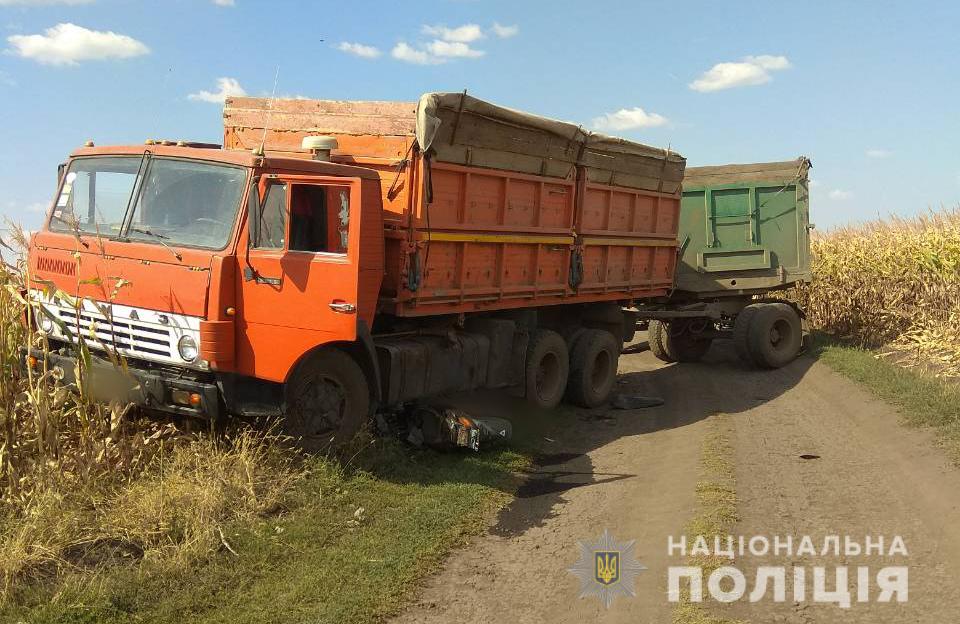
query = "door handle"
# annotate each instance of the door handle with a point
(342, 307)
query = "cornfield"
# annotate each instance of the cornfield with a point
(85, 485)
(892, 285)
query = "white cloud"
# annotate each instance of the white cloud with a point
(358, 49)
(39, 207)
(505, 32)
(452, 49)
(42, 2)
(839, 194)
(751, 70)
(628, 119)
(409, 54)
(434, 52)
(226, 87)
(226, 3)
(460, 34)
(68, 44)
(448, 43)
(878, 153)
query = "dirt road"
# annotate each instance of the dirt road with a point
(635, 473)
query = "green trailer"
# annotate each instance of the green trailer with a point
(744, 233)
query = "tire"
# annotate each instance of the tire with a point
(741, 333)
(673, 342)
(593, 368)
(685, 345)
(775, 335)
(547, 369)
(658, 335)
(326, 401)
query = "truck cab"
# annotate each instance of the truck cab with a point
(211, 272)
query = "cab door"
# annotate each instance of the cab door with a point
(298, 276)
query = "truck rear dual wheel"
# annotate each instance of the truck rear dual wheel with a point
(326, 401)
(547, 369)
(768, 335)
(675, 342)
(593, 367)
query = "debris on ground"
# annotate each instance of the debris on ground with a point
(634, 401)
(444, 428)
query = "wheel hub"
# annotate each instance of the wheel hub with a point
(774, 336)
(322, 407)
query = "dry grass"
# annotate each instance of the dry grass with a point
(109, 517)
(84, 485)
(892, 284)
(716, 516)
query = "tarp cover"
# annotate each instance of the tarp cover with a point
(784, 172)
(459, 128)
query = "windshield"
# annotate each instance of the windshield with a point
(179, 202)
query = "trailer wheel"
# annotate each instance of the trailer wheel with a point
(593, 368)
(741, 333)
(325, 401)
(775, 335)
(658, 336)
(547, 369)
(675, 342)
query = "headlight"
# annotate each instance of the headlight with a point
(45, 322)
(187, 347)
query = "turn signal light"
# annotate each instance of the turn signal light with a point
(33, 362)
(231, 311)
(184, 397)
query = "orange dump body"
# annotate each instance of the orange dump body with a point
(464, 238)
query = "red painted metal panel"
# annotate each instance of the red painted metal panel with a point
(493, 239)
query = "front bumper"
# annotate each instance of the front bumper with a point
(151, 389)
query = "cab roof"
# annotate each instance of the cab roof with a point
(243, 158)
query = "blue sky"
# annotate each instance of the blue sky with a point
(868, 90)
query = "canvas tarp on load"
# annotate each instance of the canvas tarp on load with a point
(458, 129)
(462, 129)
(783, 173)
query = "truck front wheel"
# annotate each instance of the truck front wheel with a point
(593, 368)
(547, 369)
(326, 401)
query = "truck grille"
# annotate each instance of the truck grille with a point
(124, 335)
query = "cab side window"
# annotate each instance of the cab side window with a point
(319, 218)
(271, 229)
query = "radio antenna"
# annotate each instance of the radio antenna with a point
(269, 114)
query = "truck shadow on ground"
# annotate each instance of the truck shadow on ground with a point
(561, 440)
(691, 393)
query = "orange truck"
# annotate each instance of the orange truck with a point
(335, 257)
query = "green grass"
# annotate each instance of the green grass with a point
(716, 513)
(321, 560)
(923, 400)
